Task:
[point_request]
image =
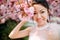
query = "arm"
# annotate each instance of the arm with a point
(19, 34)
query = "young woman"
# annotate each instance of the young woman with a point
(43, 30)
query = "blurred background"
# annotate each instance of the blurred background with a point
(10, 13)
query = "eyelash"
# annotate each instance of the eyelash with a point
(42, 12)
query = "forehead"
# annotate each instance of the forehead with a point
(39, 7)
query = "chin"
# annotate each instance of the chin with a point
(41, 23)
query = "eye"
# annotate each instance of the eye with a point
(42, 12)
(35, 13)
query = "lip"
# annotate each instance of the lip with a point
(39, 19)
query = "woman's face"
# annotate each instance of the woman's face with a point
(41, 14)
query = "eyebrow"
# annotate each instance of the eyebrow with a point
(41, 9)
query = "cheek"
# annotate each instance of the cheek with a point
(45, 16)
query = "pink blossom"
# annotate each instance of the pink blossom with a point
(17, 7)
(24, 5)
(13, 0)
(29, 11)
(2, 20)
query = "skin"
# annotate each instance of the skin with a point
(41, 14)
(40, 17)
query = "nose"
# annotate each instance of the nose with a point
(39, 15)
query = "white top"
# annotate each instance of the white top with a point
(48, 32)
